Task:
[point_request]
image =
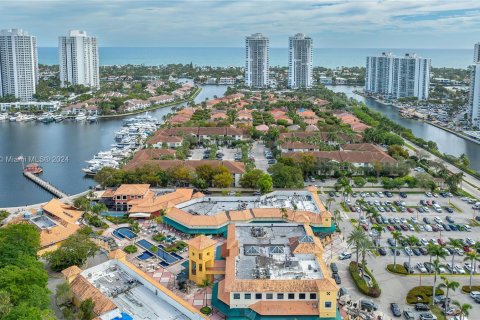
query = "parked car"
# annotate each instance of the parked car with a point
(337, 278)
(395, 309)
(403, 195)
(409, 315)
(382, 251)
(334, 267)
(421, 267)
(408, 267)
(421, 307)
(368, 305)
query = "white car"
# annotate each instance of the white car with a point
(423, 241)
(345, 255)
(474, 294)
(421, 227)
(408, 251)
(428, 228)
(410, 227)
(438, 220)
(421, 268)
(459, 269)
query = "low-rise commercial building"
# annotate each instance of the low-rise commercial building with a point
(120, 290)
(275, 270)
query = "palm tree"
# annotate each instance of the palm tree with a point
(397, 236)
(379, 230)
(412, 241)
(438, 252)
(464, 308)
(449, 285)
(436, 266)
(473, 257)
(337, 217)
(456, 244)
(354, 239)
(364, 246)
(329, 201)
(347, 191)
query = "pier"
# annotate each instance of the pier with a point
(45, 185)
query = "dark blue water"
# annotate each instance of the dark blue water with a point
(70, 143)
(222, 57)
(447, 142)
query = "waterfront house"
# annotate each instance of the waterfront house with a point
(49, 106)
(135, 104)
(85, 107)
(161, 99)
(159, 141)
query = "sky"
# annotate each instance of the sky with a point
(452, 24)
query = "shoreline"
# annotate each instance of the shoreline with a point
(458, 134)
(155, 107)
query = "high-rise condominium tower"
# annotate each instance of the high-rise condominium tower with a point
(476, 53)
(398, 77)
(256, 61)
(78, 55)
(300, 61)
(18, 64)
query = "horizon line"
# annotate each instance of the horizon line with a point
(214, 47)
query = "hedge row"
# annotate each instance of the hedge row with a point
(422, 294)
(361, 284)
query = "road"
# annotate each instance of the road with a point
(258, 151)
(470, 185)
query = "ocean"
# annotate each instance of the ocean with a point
(223, 57)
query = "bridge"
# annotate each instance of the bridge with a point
(46, 185)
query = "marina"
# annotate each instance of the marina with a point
(128, 140)
(64, 147)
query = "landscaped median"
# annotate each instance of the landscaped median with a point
(373, 291)
(398, 269)
(423, 294)
(467, 289)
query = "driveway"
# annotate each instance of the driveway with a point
(258, 151)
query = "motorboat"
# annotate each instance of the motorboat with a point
(81, 117)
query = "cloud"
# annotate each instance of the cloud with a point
(332, 23)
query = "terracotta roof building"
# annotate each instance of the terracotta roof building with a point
(212, 214)
(119, 289)
(58, 222)
(276, 269)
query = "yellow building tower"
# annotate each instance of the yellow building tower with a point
(201, 255)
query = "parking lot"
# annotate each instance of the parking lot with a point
(228, 153)
(409, 222)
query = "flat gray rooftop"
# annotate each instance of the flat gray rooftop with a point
(300, 200)
(265, 252)
(43, 222)
(129, 294)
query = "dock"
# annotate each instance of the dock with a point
(45, 185)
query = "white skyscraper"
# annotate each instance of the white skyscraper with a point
(300, 61)
(18, 64)
(474, 100)
(78, 55)
(398, 77)
(476, 53)
(256, 61)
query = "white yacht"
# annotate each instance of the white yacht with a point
(81, 117)
(3, 116)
